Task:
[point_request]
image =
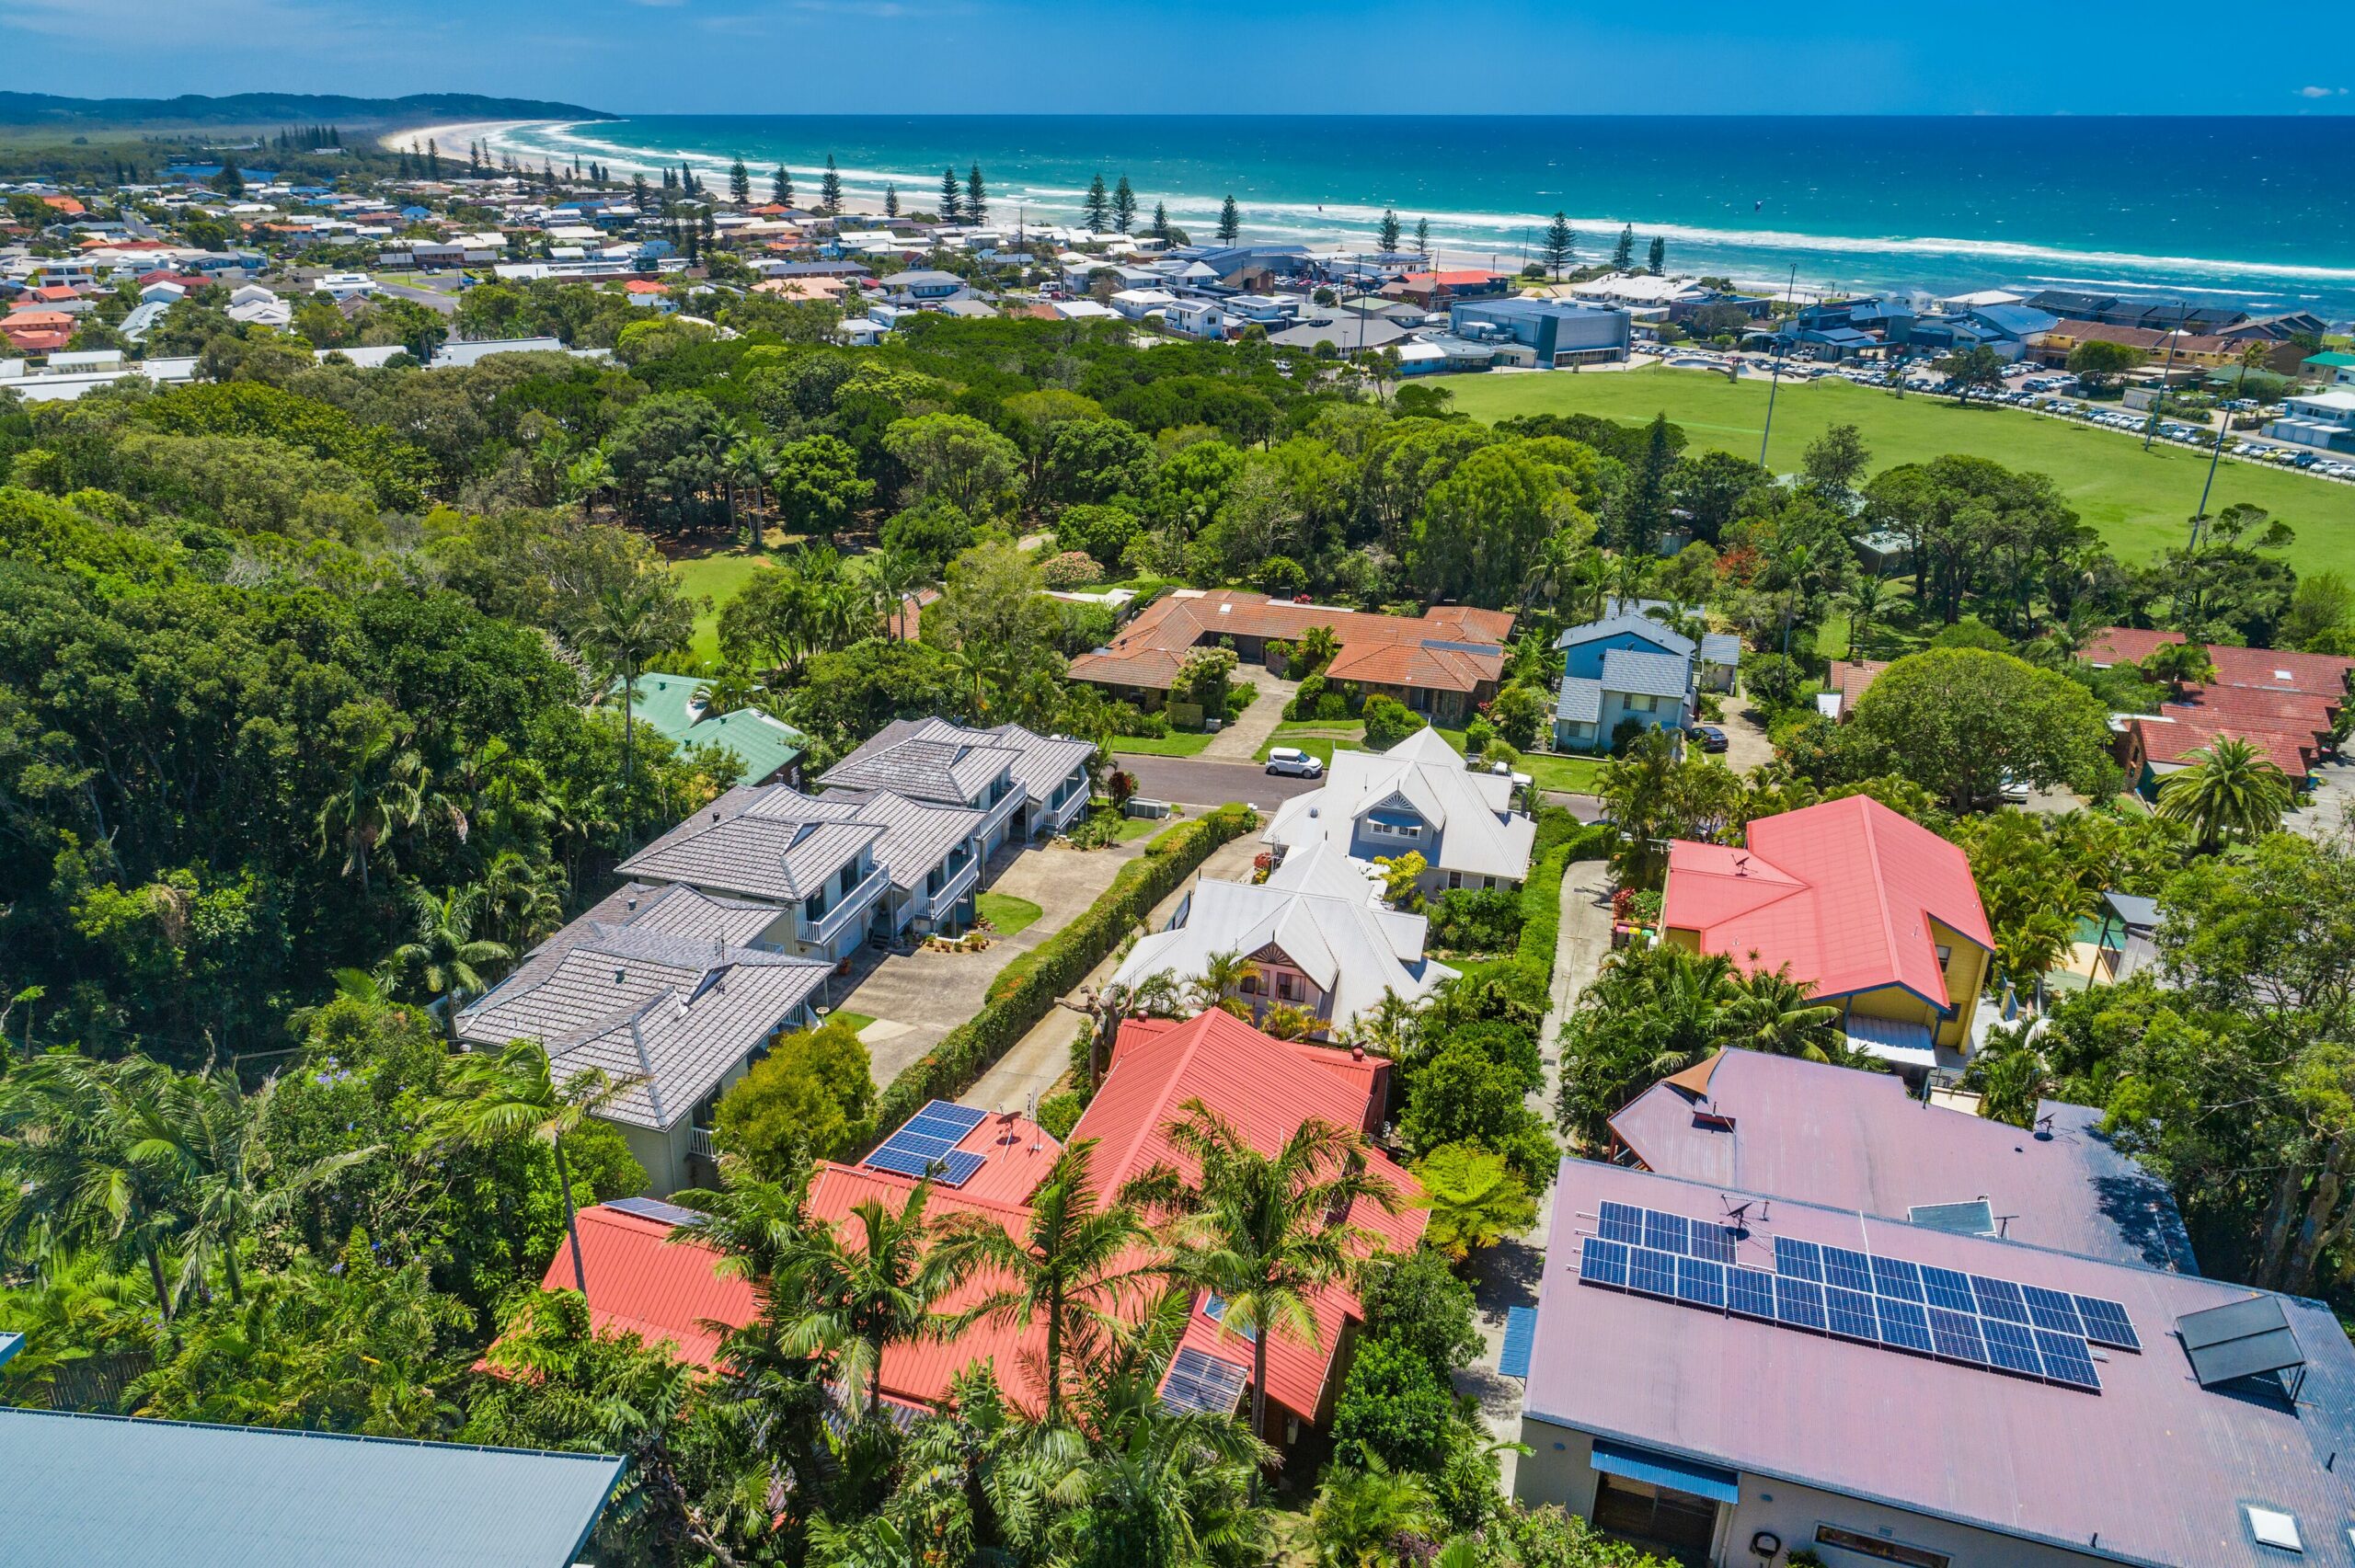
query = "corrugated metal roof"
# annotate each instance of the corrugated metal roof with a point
(1627, 624)
(641, 1282)
(110, 1492)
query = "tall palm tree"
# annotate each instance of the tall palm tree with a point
(755, 1225)
(2228, 792)
(2178, 665)
(515, 1094)
(896, 574)
(851, 1301)
(629, 628)
(1771, 1013)
(1067, 1270)
(383, 791)
(443, 953)
(751, 462)
(73, 1165)
(1261, 1232)
(1864, 596)
(1360, 1511)
(1222, 977)
(588, 477)
(522, 897)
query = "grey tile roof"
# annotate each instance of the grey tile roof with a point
(1580, 702)
(1047, 759)
(771, 841)
(674, 910)
(1654, 632)
(925, 760)
(917, 835)
(669, 1013)
(1647, 674)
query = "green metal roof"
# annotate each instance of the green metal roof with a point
(764, 744)
(2335, 361)
(111, 1492)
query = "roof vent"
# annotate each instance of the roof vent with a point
(715, 815)
(2242, 1339)
(621, 976)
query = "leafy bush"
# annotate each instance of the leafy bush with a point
(1770, 680)
(1476, 1202)
(1332, 704)
(1475, 919)
(1464, 1095)
(1029, 987)
(1395, 1406)
(1388, 721)
(807, 1099)
(1477, 736)
(1060, 1113)
(1072, 569)
(1415, 1299)
(1304, 701)
(1519, 713)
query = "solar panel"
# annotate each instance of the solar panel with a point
(1750, 1293)
(934, 1126)
(1999, 1299)
(1604, 1263)
(1666, 1233)
(965, 1118)
(1947, 1288)
(2106, 1323)
(1214, 1309)
(1799, 1260)
(2067, 1360)
(1701, 1282)
(1202, 1382)
(1849, 1313)
(1902, 1324)
(1895, 1277)
(655, 1208)
(1713, 1242)
(2012, 1346)
(898, 1163)
(1798, 1302)
(917, 1143)
(1848, 1270)
(1622, 1222)
(963, 1168)
(2052, 1309)
(1653, 1273)
(1956, 1336)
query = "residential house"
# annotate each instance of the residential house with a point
(1192, 316)
(1640, 291)
(1443, 663)
(1026, 785)
(1850, 680)
(1138, 303)
(36, 331)
(1415, 798)
(1435, 289)
(2335, 368)
(1647, 625)
(1726, 1375)
(1650, 691)
(1869, 909)
(2118, 310)
(670, 990)
(1834, 1135)
(766, 748)
(96, 1490)
(1315, 931)
(2284, 705)
(921, 287)
(1556, 332)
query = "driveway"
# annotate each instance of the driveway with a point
(2324, 813)
(915, 998)
(1747, 747)
(1510, 1274)
(1241, 740)
(1201, 781)
(1041, 1058)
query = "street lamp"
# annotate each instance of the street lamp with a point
(2151, 430)
(1775, 380)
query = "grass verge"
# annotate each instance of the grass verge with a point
(1007, 913)
(1160, 745)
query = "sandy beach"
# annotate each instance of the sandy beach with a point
(447, 137)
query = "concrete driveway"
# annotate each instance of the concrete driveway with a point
(2324, 813)
(1747, 747)
(1510, 1274)
(1240, 741)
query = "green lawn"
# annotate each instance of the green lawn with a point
(1161, 745)
(2139, 501)
(856, 1021)
(1134, 828)
(1007, 913)
(1577, 776)
(716, 578)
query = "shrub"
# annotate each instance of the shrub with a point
(1060, 1113)
(1029, 987)
(1333, 705)
(1477, 735)
(1281, 577)
(807, 1099)
(1072, 569)
(1387, 722)
(1395, 1406)
(1416, 1299)
(1520, 714)
(1304, 701)
(1202, 679)
(1464, 1095)
(1772, 681)
(1475, 919)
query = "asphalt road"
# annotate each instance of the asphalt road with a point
(1191, 781)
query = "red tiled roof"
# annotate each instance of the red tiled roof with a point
(2274, 671)
(2125, 644)
(35, 320)
(2174, 739)
(1842, 892)
(1150, 649)
(1852, 677)
(36, 340)
(67, 204)
(642, 1283)
(1426, 665)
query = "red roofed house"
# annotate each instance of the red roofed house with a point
(1434, 289)
(641, 1283)
(67, 205)
(36, 331)
(2284, 705)
(1873, 910)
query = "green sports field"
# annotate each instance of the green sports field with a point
(2138, 500)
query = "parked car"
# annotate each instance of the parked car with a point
(1708, 736)
(1294, 761)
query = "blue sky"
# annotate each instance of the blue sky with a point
(1216, 56)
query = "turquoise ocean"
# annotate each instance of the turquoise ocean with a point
(2253, 212)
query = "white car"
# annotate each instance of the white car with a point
(1292, 759)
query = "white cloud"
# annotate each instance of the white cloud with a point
(2322, 92)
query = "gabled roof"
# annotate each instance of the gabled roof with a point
(1579, 701)
(111, 1492)
(669, 1014)
(949, 764)
(917, 834)
(1480, 833)
(1833, 1136)
(1150, 649)
(1843, 893)
(641, 1282)
(763, 743)
(768, 841)
(1040, 763)
(2170, 739)
(1648, 674)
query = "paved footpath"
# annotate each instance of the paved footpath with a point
(1509, 1274)
(1240, 741)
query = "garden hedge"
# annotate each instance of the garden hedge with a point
(1561, 839)
(1024, 993)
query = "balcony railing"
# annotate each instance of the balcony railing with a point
(952, 888)
(849, 907)
(999, 815)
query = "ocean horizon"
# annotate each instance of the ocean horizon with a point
(2251, 211)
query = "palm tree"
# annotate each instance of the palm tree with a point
(756, 1225)
(853, 1302)
(74, 1164)
(443, 953)
(588, 477)
(1360, 1512)
(1223, 976)
(1771, 1012)
(2228, 792)
(1065, 1270)
(522, 897)
(896, 574)
(1864, 596)
(751, 461)
(629, 628)
(383, 791)
(1263, 1233)
(727, 694)
(2180, 665)
(1154, 1488)
(515, 1094)
(969, 662)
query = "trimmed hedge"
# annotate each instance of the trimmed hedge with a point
(1024, 993)
(1561, 839)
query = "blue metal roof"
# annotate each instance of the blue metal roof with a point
(111, 1492)
(1667, 1469)
(1658, 634)
(1521, 1333)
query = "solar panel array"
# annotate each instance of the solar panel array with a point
(1972, 1319)
(925, 1145)
(1198, 1381)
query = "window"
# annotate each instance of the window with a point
(1250, 985)
(1655, 1515)
(1287, 986)
(1877, 1548)
(1946, 954)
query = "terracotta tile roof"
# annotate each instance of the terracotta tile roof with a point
(1433, 666)
(2125, 644)
(641, 1282)
(2271, 669)
(1149, 649)
(2174, 739)
(1842, 892)
(1852, 677)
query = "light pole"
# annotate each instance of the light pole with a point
(1775, 380)
(2151, 430)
